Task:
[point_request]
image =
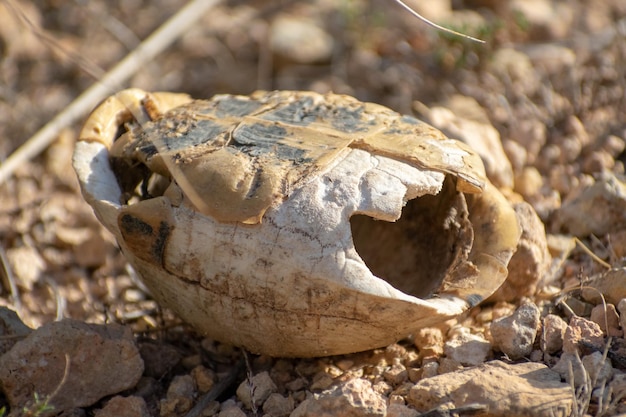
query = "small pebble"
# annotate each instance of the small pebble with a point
(606, 316)
(468, 349)
(119, 406)
(514, 335)
(396, 374)
(430, 369)
(516, 153)
(204, 378)
(610, 284)
(300, 40)
(614, 145)
(402, 390)
(598, 368)
(553, 333)
(382, 387)
(190, 362)
(447, 365)
(232, 412)
(414, 374)
(528, 182)
(597, 162)
(356, 397)
(531, 259)
(401, 410)
(278, 406)
(321, 382)
(429, 341)
(159, 358)
(536, 355)
(596, 209)
(179, 398)
(582, 330)
(570, 365)
(253, 392)
(12, 329)
(570, 149)
(344, 364)
(578, 307)
(300, 396)
(296, 384)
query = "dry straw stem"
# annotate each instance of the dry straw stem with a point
(433, 24)
(147, 50)
(10, 281)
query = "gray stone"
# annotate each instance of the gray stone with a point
(553, 333)
(232, 412)
(353, 398)
(607, 317)
(467, 349)
(299, 39)
(531, 259)
(598, 368)
(253, 392)
(514, 335)
(278, 406)
(124, 407)
(582, 330)
(179, 398)
(527, 389)
(12, 329)
(570, 366)
(79, 363)
(597, 209)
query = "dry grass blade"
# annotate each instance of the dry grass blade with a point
(436, 26)
(590, 253)
(9, 280)
(147, 50)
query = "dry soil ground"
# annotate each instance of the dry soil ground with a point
(551, 79)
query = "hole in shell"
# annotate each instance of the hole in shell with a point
(416, 253)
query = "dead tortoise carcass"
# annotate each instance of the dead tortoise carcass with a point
(295, 223)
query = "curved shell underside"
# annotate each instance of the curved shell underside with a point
(258, 218)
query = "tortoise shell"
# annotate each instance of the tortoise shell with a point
(295, 223)
(234, 156)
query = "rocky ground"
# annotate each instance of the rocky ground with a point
(543, 101)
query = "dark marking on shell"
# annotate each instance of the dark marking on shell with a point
(258, 135)
(176, 135)
(132, 225)
(259, 139)
(146, 240)
(301, 112)
(349, 120)
(235, 107)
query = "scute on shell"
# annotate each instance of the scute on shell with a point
(258, 218)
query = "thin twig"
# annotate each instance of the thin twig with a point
(10, 281)
(217, 390)
(137, 59)
(590, 253)
(66, 373)
(436, 26)
(60, 300)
